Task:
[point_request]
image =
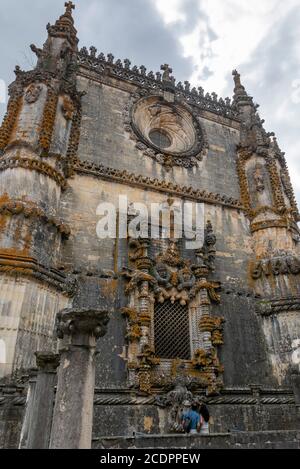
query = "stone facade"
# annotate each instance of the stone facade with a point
(81, 129)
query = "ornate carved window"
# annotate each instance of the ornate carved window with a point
(171, 331)
(169, 318)
(170, 133)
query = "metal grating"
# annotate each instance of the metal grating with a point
(171, 331)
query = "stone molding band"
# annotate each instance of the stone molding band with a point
(277, 306)
(34, 165)
(12, 265)
(30, 210)
(125, 177)
(124, 401)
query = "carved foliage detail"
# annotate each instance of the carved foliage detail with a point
(30, 210)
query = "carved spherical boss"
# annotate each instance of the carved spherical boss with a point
(167, 131)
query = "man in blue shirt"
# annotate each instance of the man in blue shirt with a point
(190, 418)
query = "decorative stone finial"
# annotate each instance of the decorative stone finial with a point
(167, 80)
(69, 7)
(167, 71)
(64, 26)
(240, 95)
(237, 78)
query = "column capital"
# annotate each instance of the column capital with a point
(47, 361)
(89, 322)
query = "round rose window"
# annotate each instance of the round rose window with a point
(169, 128)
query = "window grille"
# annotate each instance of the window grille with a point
(171, 331)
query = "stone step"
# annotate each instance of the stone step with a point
(289, 439)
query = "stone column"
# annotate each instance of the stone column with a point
(73, 412)
(200, 339)
(42, 409)
(28, 408)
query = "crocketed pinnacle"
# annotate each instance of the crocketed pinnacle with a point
(240, 96)
(64, 26)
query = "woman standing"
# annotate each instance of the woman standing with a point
(204, 419)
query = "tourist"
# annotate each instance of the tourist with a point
(190, 418)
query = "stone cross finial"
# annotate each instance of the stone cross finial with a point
(237, 77)
(167, 71)
(69, 7)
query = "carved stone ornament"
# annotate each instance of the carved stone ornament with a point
(70, 322)
(47, 361)
(123, 69)
(259, 179)
(170, 133)
(279, 264)
(68, 108)
(169, 277)
(32, 93)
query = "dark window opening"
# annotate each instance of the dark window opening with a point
(160, 138)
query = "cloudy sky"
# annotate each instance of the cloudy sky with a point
(203, 40)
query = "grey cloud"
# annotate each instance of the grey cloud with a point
(276, 62)
(134, 29)
(128, 28)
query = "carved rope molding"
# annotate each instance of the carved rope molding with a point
(125, 177)
(48, 121)
(224, 400)
(34, 165)
(278, 306)
(14, 399)
(9, 120)
(123, 401)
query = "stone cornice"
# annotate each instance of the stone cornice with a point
(30, 210)
(116, 397)
(137, 75)
(29, 267)
(153, 184)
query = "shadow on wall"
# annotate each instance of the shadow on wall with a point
(2, 352)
